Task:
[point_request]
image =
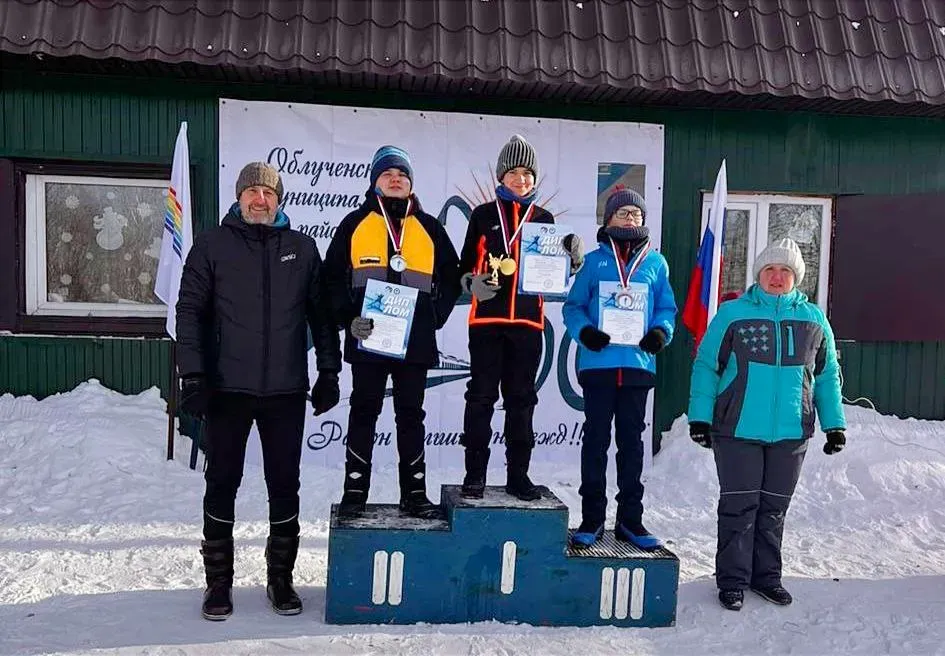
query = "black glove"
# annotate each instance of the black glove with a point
(194, 395)
(593, 338)
(701, 433)
(654, 341)
(836, 440)
(361, 328)
(325, 392)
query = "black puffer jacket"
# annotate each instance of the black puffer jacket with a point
(246, 295)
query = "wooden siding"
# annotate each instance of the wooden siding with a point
(40, 366)
(136, 120)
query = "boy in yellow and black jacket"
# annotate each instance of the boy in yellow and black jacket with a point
(505, 326)
(391, 239)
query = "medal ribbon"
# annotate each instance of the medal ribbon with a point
(395, 240)
(637, 261)
(505, 232)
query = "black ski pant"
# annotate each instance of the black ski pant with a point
(281, 423)
(506, 358)
(756, 482)
(369, 382)
(624, 406)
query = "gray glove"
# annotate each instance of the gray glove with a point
(362, 328)
(575, 247)
(476, 285)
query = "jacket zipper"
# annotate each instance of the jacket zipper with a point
(267, 306)
(514, 247)
(777, 370)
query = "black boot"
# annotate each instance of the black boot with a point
(356, 487)
(218, 564)
(477, 463)
(413, 491)
(280, 561)
(518, 484)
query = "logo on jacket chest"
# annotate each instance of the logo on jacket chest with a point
(755, 338)
(288, 257)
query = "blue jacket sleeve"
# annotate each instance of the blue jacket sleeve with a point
(583, 293)
(828, 398)
(707, 369)
(664, 311)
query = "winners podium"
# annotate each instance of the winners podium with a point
(495, 558)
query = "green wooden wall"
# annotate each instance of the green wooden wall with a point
(41, 366)
(117, 119)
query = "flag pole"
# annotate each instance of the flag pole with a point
(172, 401)
(175, 245)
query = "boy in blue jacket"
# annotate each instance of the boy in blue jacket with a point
(621, 311)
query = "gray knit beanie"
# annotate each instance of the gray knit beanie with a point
(517, 152)
(785, 252)
(619, 197)
(259, 174)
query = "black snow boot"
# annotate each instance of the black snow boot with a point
(413, 491)
(474, 484)
(732, 599)
(776, 594)
(280, 561)
(356, 487)
(218, 565)
(518, 484)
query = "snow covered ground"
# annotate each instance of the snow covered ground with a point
(99, 537)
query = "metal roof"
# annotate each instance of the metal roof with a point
(779, 53)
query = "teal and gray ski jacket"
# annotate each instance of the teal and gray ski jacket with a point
(766, 365)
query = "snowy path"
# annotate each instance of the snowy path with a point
(98, 549)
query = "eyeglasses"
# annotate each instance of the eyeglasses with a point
(635, 214)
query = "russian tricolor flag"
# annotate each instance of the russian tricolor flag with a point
(702, 301)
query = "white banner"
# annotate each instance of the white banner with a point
(324, 155)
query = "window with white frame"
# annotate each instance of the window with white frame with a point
(92, 245)
(752, 221)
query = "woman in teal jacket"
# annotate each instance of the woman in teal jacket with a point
(621, 311)
(766, 366)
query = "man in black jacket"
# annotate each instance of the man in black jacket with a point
(390, 239)
(250, 289)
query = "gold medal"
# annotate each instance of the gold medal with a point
(507, 266)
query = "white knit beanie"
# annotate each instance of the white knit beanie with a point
(786, 253)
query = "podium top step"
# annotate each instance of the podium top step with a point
(387, 516)
(495, 496)
(610, 547)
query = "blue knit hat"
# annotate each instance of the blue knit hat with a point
(619, 197)
(390, 157)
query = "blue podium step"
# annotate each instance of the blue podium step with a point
(495, 558)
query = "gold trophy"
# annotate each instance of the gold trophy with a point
(500, 264)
